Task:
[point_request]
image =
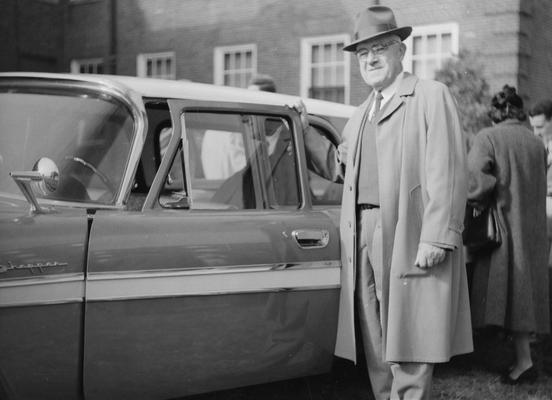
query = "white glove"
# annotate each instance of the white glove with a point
(429, 255)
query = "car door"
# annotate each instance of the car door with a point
(227, 278)
(41, 301)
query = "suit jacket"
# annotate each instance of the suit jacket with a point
(422, 185)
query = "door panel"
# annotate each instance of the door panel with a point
(201, 301)
(41, 302)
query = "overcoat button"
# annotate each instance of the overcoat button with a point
(350, 188)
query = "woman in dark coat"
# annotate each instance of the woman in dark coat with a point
(507, 166)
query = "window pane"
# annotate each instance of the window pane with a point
(169, 67)
(446, 43)
(315, 77)
(431, 44)
(248, 60)
(417, 67)
(340, 46)
(149, 68)
(327, 78)
(315, 54)
(217, 161)
(238, 64)
(280, 179)
(340, 75)
(328, 52)
(417, 45)
(226, 62)
(100, 69)
(98, 130)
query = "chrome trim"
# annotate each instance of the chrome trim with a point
(311, 238)
(23, 179)
(72, 288)
(51, 289)
(155, 273)
(213, 293)
(215, 281)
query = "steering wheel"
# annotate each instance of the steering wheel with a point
(103, 177)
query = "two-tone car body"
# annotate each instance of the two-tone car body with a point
(152, 242)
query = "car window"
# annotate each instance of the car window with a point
(323, 190)
(235, 161)
(87, 137)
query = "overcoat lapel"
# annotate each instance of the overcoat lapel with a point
(406, 88)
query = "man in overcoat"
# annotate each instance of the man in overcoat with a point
(402, 218)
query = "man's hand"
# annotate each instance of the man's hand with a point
(341, 154)
(300, 107)
(429, 255)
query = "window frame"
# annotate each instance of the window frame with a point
(76, 65)
(142, 62)
(306, 62)
(424, 31)
(178, 107)
(219, 53)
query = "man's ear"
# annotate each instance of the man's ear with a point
(402, 48)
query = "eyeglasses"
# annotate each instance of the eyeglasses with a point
(376, 49)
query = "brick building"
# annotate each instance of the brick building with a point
(298, 42)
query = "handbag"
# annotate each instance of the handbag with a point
(481, 230)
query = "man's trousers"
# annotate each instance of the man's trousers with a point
(399, 380)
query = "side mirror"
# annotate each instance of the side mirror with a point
(44, 177)
(49, 172)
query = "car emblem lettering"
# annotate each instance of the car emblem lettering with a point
(34, 267)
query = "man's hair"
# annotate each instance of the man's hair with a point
(264, 82)
(542, 107)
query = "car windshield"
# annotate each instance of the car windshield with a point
(88, 136)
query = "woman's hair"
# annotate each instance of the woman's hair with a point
(507, 104)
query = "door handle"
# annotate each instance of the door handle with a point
(311, 238)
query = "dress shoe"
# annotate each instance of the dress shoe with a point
(528, 376)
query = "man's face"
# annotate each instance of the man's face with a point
(380, 60)
(539, 123)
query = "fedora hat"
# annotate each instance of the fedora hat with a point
(374, 22)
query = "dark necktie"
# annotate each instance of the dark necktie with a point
(377, 106)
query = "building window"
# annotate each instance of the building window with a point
(88, 66)
(325, 68)
(235, 65)
(428, 47)
(156, 65)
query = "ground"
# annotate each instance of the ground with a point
(470, 377)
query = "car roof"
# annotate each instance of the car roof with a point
(171, 89)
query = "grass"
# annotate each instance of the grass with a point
(470, 377)
(476, 376)
(479, 384)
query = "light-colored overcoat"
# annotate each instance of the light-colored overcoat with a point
(423, 187)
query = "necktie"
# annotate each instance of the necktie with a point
(377, 106)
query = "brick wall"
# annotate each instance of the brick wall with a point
(32, 35)
(536, 63)
(88, 31)
(512, 38)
